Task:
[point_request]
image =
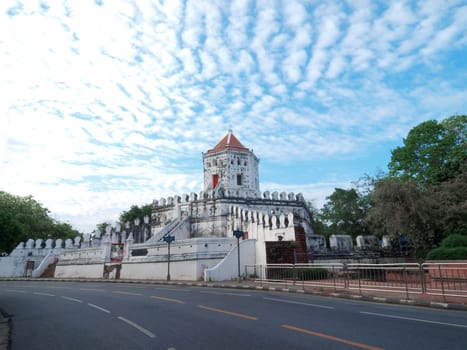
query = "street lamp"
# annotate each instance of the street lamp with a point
(138, 230)
(168, 240)
(147, 230)
(238, 234)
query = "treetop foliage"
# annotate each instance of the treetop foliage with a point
(22, 218)
(433, 152)
(136, 212)
(423, 197)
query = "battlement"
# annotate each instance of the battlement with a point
(227, 194)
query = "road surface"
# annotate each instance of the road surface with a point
(78, 315)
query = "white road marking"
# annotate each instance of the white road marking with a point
(72, 299)
(92, 289)
(15, 291)
(414, 319)
(300, 303)
(173, 290)
(99, 308)
(138, 327)
(127, 293)
(234, 294)
(46, 294)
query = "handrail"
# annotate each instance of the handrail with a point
(48, 260)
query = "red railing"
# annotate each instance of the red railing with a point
(432, 281)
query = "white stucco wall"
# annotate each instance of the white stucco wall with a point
(79, 271)
(227, 269)
(12, 266)
(187, 270)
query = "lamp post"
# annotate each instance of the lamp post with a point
(137, 230)
(168, 240)
(147, 228)
(237, 233)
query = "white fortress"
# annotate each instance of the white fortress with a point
(202, 227)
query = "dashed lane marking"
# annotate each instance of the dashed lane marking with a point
(72, 299)
(46, 294)
(127, 293)
(99, 308)
(414, 319)
(15, 291)
(168, 299)
(300, 303)
(173, 290)
(138, 327)
(233, 294)
(228, 312)
(330, 337)
(92, 289)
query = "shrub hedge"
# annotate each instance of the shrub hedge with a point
(453, 247)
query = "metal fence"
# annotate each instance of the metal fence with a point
(447, 281)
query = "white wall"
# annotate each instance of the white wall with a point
(227, 269)
(79, 271)
(188, 270)
(189, 258)
(12, 266)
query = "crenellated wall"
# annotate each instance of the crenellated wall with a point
(208, 212)
(26, 257)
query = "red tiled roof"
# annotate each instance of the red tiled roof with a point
(229, 142)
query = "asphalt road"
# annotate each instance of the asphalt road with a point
(64, 315)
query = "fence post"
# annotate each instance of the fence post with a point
(263, 274)
(442, 283)
(294, 273)
(404, 274)
(333, 278)
(359, 281)
(422, 277)
(346, 282)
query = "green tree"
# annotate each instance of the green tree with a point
(433, 152)
(136, 212)
(449, 209)
(343, 213)
(22, 218)
(402, 208)
(424, 195)
(101, 228)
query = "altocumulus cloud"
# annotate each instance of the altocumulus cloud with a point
(106, 104)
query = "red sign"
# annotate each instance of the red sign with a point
(116, 252)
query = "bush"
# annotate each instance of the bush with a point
(453, 247)
(443, 253)
(454, 241)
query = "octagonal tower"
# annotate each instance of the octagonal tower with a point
(232, 167)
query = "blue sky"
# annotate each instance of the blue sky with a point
(105, 104)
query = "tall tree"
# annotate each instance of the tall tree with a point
(402, 208)
(136, 212)
(424, 194)
(22, 218)
(343, 213)
(432, 152)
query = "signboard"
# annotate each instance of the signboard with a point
(116, 252)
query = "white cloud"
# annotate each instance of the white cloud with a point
(108, 106)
